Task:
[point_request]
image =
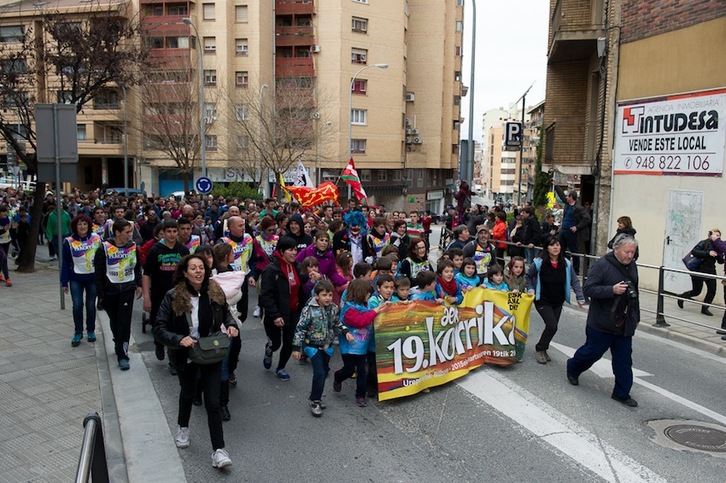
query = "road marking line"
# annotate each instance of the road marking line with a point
(556, 429)
(602, 367)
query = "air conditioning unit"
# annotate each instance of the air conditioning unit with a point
(410, 97)
(408, 123)
(417, 140)
(316, 48)
(209, 119)
(409, 132)
(415, 131)
(409, 140)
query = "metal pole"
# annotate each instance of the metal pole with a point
(126, 146)
(58, 199)
(264, 177)
(470, 163)
(659, 318)
(521, 154)
(350, 111)
(202, 122)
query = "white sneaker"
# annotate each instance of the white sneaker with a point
(182, 438)
(220, 459)
(256, 312)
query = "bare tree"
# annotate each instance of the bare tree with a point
(275, 129)
(68, 58)
(169, 117)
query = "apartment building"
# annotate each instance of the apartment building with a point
(620, 72)
(100, 125)
(402, 59)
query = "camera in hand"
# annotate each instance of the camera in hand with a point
(631, 291)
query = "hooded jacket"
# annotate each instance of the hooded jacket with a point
(302, 240)
(326, 262)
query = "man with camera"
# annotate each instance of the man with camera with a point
(612, 286)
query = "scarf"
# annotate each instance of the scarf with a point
(448, 287)
(205, 307)
(293, 280)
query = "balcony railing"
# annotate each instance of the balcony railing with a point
(288, 7)
(294, 66)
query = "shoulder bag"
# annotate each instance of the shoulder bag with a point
(691, 261)
(208, 350)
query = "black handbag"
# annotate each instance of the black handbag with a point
(691, 261)
(208, 350)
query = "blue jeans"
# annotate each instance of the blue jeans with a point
(568, 240)
(529, 254)
(77, 289)
(321, 366)
(621, 350)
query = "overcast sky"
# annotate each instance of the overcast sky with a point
(511, 54)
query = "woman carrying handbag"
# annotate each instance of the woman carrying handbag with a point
(706, 252)
(195, 308)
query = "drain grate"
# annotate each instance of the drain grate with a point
(702, 438)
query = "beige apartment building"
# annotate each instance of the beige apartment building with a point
(405, 117)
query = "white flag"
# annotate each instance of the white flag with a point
(302, 177)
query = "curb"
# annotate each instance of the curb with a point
(686, 339)
(145, 438)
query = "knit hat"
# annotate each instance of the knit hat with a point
(285, 243)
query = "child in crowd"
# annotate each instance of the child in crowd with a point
(358, 319)
(403, 289)
(467, 277)
(391, 251)
(457, 258)
(426, 283)
(446, 286)
(384, 293)
(494, 279)
(361, 270)
(343, 264)
(515, 275)
(383, 265)
(311, 274)
(319, 324)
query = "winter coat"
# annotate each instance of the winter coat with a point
(318, 327)
(599, 288)
(326, 262)
(708, 263)
(571, 280)
(171, 324)
(358, 319)
(275, 292)
(499, 234)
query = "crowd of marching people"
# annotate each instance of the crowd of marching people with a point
(321, 274)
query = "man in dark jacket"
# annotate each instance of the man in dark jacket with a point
(532, 233)
(575, 227)
(612, 285)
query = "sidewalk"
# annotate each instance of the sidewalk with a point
(48, 387)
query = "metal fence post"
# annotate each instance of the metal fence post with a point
(93, 452)
(659, 318)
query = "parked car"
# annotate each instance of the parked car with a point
(124, 192)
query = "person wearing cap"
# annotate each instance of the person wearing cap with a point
(482, 251)
(281, 299)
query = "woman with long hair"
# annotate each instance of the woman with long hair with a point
(417, 260)
(194, 308)
(549, 278)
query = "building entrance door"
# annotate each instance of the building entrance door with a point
(682, 232)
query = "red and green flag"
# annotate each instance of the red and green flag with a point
(350, 176)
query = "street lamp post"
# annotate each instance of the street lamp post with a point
(350, 109)
(264, 177)
(126, 146)
(469, 174)
(202, 123)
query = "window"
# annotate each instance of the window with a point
(242, 112)
(360, 1)
(240, 14)
(210, 112)
(365, 174)
(242, 143)
(177, 10)
(457, 51)
(210, 45)
(459, 26)
(360, 86)
(177, 42)
(359, 56)
(208, 11)
(210, 77)
(360, 24)
(454, 149)
(81, 132)
(460, 3)
(12, 33)
(14, 66)
(397, 175)
(359, 117)
(155, 42)
(154, 10)
(409, 174)
(241, 78)
(457, 100)
(457, 76)
(358, 146)
(241, 47)
(210, 142)
(382, 175)
(420, 174)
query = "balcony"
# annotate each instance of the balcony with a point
(294, 67)
(575, 31)
(298, 7)
(294, 35)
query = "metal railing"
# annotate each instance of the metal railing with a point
(660, 293)
(92, 461)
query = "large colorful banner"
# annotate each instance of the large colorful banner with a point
(424, 344)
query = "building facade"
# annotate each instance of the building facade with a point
(622, 77)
